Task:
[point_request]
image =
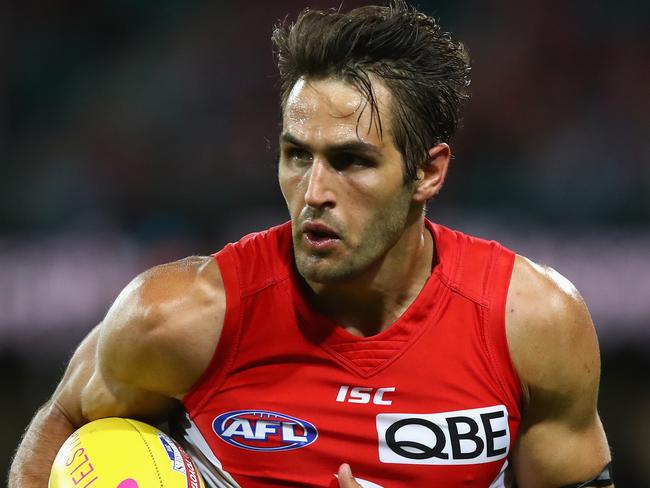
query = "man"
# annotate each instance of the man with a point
(359, 332)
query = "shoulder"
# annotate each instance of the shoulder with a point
(550, 334)
(160, 333)
(257, 259)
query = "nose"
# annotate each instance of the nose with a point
(320, 185)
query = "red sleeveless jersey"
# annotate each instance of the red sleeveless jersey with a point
(432, 401)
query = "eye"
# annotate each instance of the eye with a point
(349, 160)
(298, 154)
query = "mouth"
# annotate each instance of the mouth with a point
(319, 236)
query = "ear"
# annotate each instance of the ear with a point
(432, 175)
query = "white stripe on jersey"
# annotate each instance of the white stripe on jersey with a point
(185, 431)
(499, 481)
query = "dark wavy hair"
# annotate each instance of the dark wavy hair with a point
(427, 73)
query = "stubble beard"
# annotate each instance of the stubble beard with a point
(380, 234)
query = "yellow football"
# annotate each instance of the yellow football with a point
(122, 453)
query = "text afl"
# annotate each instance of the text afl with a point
(261, 430)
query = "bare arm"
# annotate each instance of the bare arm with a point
(50, 426)
(128, 366)
(555, 352)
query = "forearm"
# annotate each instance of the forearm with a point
(33, 460)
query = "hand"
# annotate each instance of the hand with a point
(346, 480)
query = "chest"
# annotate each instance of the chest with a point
(414, 407)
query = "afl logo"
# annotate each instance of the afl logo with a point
(261, 430)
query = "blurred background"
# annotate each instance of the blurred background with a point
(135, 132)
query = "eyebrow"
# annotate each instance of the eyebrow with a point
(349, 146)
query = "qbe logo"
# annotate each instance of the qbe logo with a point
(479, 435)
(261, 430)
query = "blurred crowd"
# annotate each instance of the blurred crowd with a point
(154, 116)
(134, 132)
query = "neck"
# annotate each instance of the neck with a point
(374, 300)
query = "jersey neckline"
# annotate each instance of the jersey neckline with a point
(368, 355)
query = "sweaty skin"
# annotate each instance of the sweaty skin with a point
(554, 349)
(363, 270)
(152, 346)
(336, 169)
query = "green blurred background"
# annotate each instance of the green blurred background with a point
(137, 132)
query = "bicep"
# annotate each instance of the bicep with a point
(154, 343)
(555, 351)
(86, 392)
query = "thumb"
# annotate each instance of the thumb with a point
(346, 480)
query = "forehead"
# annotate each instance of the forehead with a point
(330, 110)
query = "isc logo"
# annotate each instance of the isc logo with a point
(360, 394)
(261, 430)
(473, 436)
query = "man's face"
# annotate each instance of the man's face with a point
(342, 181)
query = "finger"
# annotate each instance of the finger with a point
(346, 480)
